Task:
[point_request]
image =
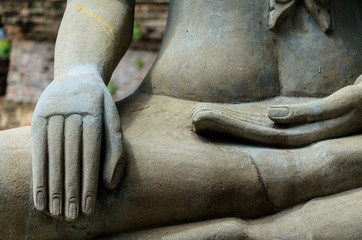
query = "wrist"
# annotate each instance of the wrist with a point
(79, 70)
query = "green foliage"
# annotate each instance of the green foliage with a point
(112, 89)
(137, 34)
(5, 48)
(139, 63)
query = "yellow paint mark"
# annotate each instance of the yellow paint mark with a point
(105, 25)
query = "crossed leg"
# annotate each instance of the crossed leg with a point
(174, 176)
(332, 217)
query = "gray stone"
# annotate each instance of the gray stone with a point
(286, 167)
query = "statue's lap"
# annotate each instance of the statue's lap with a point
(168, 165)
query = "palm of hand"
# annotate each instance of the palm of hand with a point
(291, 125)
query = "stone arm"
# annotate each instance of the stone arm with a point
(76, 116)
(96, 33)
(291, 125)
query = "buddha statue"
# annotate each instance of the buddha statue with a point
(247, 126)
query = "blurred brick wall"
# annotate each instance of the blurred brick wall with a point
(151, 16)
(39, 20)
(32, 26)
(14, 115)
(32, 20)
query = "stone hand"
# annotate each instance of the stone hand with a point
(293, 125)
(346, 101)
(71, 118)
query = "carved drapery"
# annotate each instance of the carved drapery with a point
(281, 9)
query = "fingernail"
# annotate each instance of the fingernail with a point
(40, 200)
(89, 205)
(56, 206)
(278, 112)
(72, 211)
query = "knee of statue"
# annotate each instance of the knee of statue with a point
(216, 51)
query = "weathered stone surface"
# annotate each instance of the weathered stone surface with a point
(301, 60)
(168, 165)
(289, 124)
(173, 176)
(312, 220)
(221, 52)
(312, 63)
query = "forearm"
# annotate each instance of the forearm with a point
(93, 35)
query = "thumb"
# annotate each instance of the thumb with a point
(335, 105)
(114, 151)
